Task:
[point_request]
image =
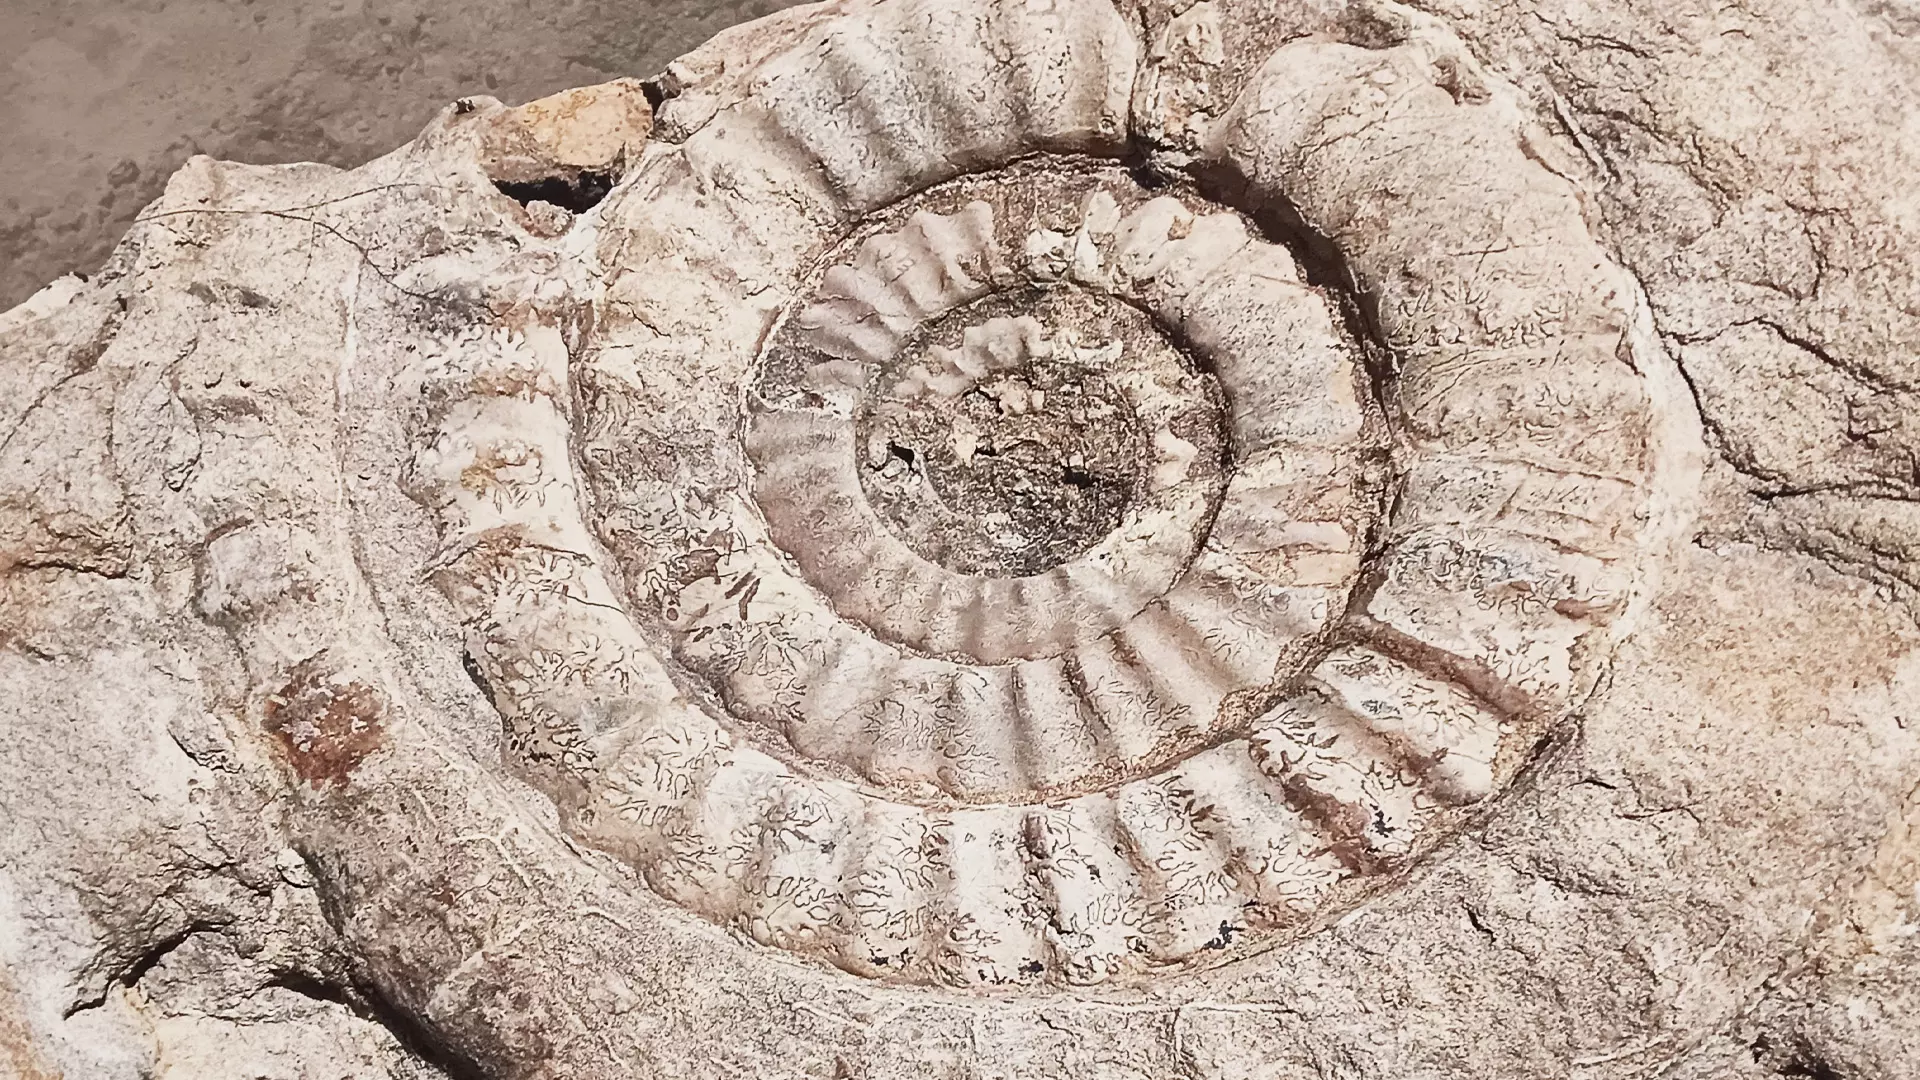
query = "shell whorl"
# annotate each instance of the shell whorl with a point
(954, 560)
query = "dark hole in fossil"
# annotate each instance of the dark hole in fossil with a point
(1224, 938)
(575, 192)
(1809, 1067)
(1792, 1057)
(1147, 176)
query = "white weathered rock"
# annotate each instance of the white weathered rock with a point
(983, 538)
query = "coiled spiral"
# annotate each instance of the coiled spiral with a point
(963, 555)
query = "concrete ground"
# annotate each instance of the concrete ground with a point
(100, 100)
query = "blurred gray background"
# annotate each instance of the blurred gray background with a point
(101, 99)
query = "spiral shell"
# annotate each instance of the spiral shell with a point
(967, 552)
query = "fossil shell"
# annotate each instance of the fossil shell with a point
(966, 555)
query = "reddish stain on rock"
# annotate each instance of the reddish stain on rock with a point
(327, 727)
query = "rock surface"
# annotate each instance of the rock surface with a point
(1243, 539)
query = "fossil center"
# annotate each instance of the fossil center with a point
(1006, 440)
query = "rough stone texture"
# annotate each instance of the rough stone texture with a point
(432, 595)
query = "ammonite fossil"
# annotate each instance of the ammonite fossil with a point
(1014, 539)
(974, 536)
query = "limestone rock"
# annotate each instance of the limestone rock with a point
(997, 538)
